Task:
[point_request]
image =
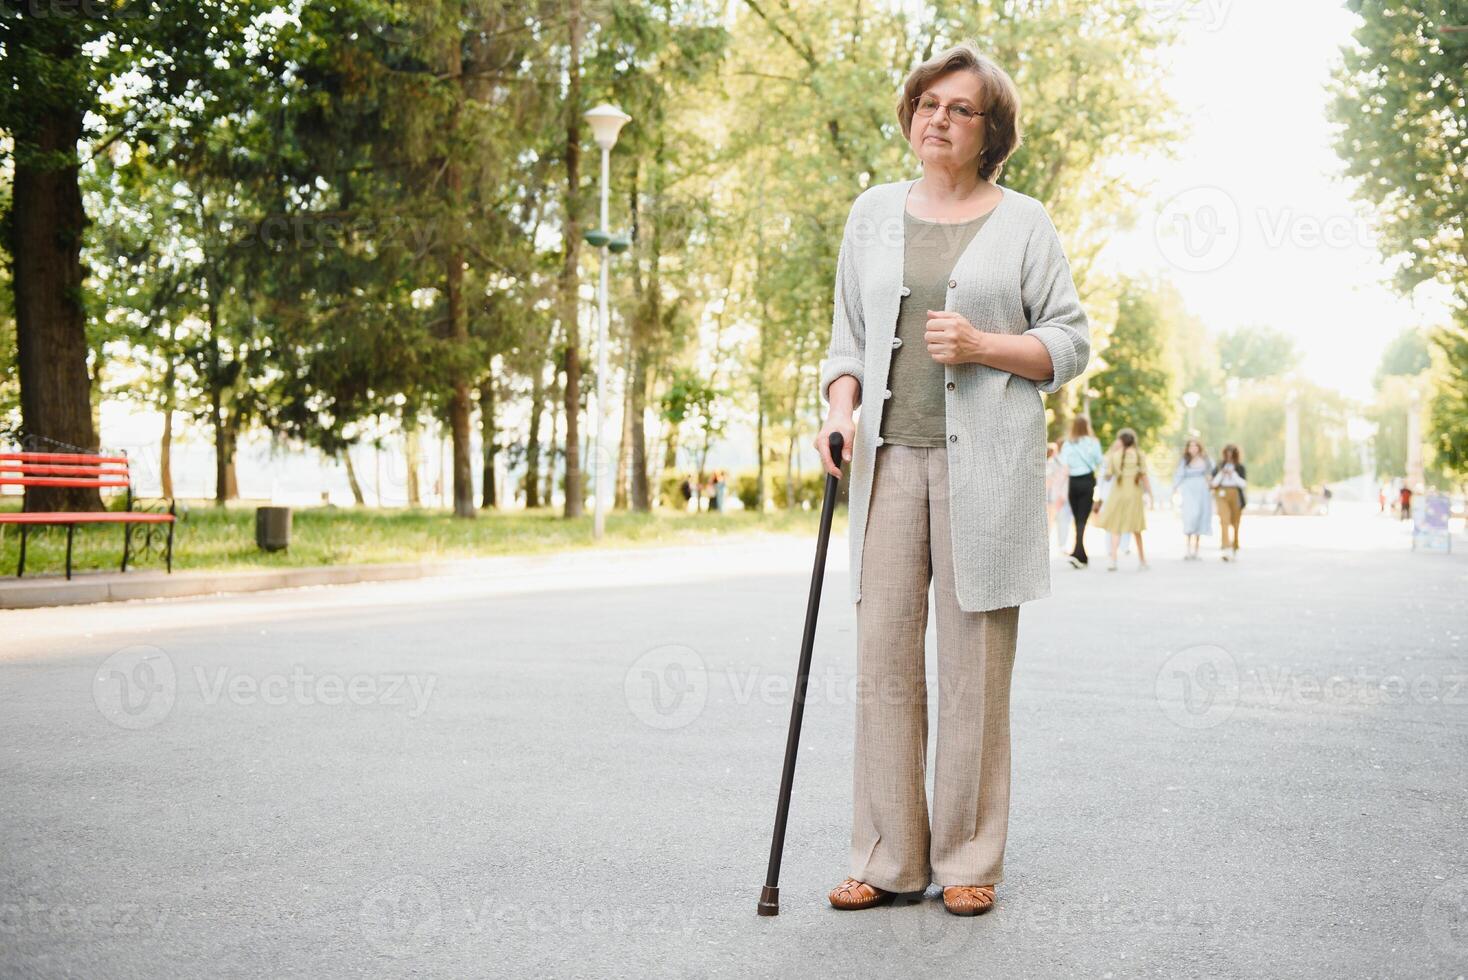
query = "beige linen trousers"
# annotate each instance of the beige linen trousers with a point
(908, 546)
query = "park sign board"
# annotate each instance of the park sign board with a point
(1430, 524)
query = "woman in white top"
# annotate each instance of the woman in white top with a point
(1228, 484)
(1081, 454)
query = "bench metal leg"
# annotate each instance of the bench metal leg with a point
(20, 571)
(70, 529)
(170, 547)
(127, 540)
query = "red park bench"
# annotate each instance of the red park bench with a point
(77, 470)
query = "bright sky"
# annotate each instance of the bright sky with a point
(1251, 220)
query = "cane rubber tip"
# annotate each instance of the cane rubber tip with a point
(769, 901)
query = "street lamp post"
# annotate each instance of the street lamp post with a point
(1190, 399)
(606, 122)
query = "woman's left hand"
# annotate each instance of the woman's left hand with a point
(952, 339)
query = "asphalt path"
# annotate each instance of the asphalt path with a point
(568, 766)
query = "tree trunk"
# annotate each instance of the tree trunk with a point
(644, 325)
(231, 474)
(557, 389)
(624, 444)
(532, 442)
(670, 446)
(790, 453)
(759, 445)
(357, 495)
(1059, 402)
(216, 417)
(223, 451)
(489, 498)
(570, 305)
(165, 450)
(637, 382)
(413, 455)
(458, 315)
(165, 455)
(46, 223)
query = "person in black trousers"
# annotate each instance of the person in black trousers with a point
(1081, 454)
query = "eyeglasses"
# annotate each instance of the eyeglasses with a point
(927, 105)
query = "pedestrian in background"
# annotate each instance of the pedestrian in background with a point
(720, 485)
(1057, 494)
(1229, 480)
(1192, 475)
(1124, 511)
(1103, 487)
(1081, 454)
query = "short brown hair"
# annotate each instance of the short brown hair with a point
(998, 96)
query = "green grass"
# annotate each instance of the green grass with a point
(213, 538)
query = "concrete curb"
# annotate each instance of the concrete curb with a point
(151, 584)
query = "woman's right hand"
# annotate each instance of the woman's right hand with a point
(843, 423)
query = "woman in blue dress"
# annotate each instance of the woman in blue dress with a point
(1191, 476)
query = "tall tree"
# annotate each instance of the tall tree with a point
(1400, 98)
(48, 87)
(1254, 352)
(1136, 387)
(58, 62)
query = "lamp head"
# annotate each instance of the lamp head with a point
(606, 122)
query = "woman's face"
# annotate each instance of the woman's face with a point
(943, 139)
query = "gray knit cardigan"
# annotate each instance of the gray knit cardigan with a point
(1013, 278)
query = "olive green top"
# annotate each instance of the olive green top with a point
(916, 414)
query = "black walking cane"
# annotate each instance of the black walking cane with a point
(769, 896)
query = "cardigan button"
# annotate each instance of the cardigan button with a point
(887, 393)
(951, 386)
(896, 342)
(880, 440)
(906, 291)
(952, 283)
(953, 438)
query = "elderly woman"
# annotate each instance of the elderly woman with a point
(954, 311)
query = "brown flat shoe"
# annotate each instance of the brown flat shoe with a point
(853, 894)
(968, 899)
